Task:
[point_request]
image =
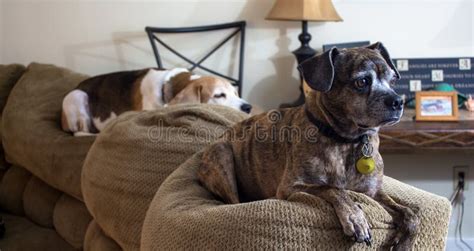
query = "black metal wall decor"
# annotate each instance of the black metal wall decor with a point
(238, 27)
(419, 74)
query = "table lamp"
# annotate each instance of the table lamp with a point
(303, 11)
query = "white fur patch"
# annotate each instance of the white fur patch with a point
(76, 111)
(231, 98)
(151, 87)
(100, 125)
(194, 77)
(84, 134)
(173, 72)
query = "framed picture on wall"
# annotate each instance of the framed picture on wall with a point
(436, 106)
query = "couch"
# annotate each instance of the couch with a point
(40, 193)
(41, 197)
(135, 187)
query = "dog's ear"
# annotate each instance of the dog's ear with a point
(190, 94)
(179, 81)
(318, 71)
(383, 51)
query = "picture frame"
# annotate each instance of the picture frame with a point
(437, 106)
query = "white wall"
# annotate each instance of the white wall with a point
(98, 36)
(434, 173)
(1, 31)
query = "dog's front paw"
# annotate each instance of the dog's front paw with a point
(407, 230)
(354, 224)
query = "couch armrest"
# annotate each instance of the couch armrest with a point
(184, 215)
(434, 212)
(9, 75)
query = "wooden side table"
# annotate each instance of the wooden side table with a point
(410, 136)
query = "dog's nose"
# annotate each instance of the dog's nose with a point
(395, 102)
(246, 108)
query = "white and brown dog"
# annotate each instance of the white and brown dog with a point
(96, 101)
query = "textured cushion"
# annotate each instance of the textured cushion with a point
(23, 234)
(9, 75)
(12, 188)
(46, 209)
(39, 200)
(97, 240)
(71, 220)
(184, 215)
(135, 153)
(32, 136)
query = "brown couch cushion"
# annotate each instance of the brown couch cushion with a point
(71, 220)
(23, 234)
(9, 75)
(132, 157)
(32, 136)
(39, 200)
(184, 215)
(97, 240)
(12, 188)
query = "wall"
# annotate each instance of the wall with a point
(98, 36)
(434, 173)
(1, 31)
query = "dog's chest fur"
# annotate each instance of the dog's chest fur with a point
(268, 158)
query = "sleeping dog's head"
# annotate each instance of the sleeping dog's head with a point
(354, 85)
(211, 90)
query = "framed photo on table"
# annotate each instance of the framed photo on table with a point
(436, 106)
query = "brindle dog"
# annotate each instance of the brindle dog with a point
(260, 158)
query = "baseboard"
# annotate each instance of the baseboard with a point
(455, 245)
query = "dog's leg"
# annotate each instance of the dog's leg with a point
(75, 115)
(350, 214)
(217, 172)
(405, 219)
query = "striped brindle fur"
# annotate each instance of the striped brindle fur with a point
(314, 148)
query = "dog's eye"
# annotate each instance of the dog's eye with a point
(362, 83)
(220, 95)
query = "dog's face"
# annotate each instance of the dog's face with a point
(356, 84)
(212, 90)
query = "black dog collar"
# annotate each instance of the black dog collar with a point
(327, 131)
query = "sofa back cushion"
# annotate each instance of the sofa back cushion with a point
(32, 135)
(9, 75)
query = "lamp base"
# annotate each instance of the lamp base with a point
(304, 52)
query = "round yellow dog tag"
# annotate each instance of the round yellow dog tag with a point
(365, 165)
